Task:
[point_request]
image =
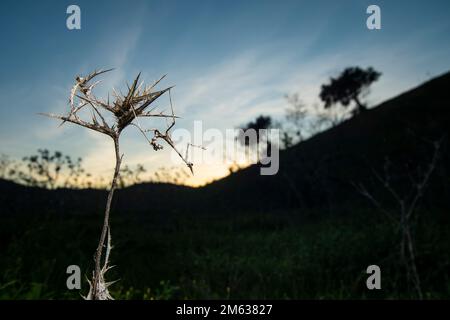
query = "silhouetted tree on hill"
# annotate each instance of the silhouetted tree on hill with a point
(252, 139)
(348, 86)
(261, 122)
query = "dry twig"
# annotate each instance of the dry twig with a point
(401, 217)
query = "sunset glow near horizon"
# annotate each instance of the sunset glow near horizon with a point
(230, 62)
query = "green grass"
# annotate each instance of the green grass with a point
(278, 256)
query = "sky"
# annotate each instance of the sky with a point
(230, 62)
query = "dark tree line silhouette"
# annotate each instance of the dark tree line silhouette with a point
(53, 169)
(303, 121)
(46, 169)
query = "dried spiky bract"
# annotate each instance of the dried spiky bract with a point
(126, 109)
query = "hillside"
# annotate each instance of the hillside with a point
(316, 173)
(319, 171)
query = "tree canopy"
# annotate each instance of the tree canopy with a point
(348, 86)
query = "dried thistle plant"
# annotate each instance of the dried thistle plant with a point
(126, 110)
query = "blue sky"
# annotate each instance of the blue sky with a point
(230, 61)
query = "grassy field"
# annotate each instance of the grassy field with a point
(248, 255)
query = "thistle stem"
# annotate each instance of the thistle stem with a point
(99, 251)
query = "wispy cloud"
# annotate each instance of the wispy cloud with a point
(227, 71)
